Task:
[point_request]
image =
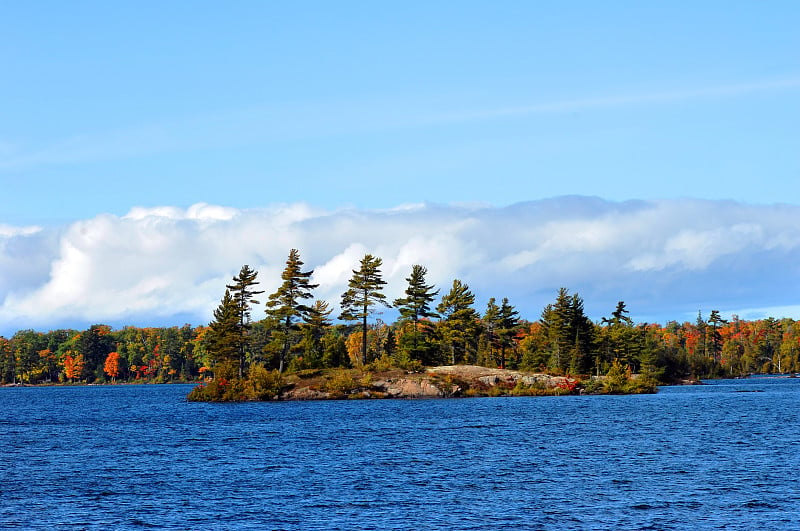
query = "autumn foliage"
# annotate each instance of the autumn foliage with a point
(560, 340)
(111, 366)
(73, 366)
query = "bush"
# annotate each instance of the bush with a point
(214, 391)
(340, 383)
(382, 364)
(616, 379)
(535, 389)
(592, 386)
(263, 384)
(641, 384)
(619, 380)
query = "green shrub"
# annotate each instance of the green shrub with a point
(592, 386)
(382, 364)
(340, 383)
(619, 380)
(641, 385)
(214, 391)
(263, 384)
(616, 380)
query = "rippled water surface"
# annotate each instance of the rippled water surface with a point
(723, 455)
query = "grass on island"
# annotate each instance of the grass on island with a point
(380, 379)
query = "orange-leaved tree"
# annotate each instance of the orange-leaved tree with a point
(111, 366)
(73, 366)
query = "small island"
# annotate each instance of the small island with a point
(380, 381)
(402, 363)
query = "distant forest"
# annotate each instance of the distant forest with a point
(298, 332)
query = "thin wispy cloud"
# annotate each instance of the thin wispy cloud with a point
(660, 98)
(260, 124)
(667, 259)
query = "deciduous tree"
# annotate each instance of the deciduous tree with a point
(111, 366)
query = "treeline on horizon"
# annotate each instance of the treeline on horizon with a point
(298, 333)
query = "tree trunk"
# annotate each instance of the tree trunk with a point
(364, 339)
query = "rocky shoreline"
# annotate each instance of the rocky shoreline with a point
(449, 381)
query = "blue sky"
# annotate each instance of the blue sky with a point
(107, 107)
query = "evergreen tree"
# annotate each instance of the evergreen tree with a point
(569, 332)
(618, 316)
(415, 306)
(286, 305)
(318, 319)
(490, 322)
(620, 339)
(701, 326)
(459, 320)
(315, 325)
(243, 297)
(716, 321)
(224, 337)
(501, 324)
(364, 292)
(507, 328)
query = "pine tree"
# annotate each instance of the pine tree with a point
(501, 324)
(490, 325)
(243, 297)
(318, 319)
(286, 305)
(569, 332)
(459, 323)
(716, 321)
(314, 327)
(364, 292)
(416, 305)
(508, 325)
(224, 336)
(619, 338)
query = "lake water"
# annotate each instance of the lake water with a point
(723, 455)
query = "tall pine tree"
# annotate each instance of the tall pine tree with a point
(287, 305)
(416, 305)
(569, 332)
(243, 297)
(364, 292)
(459, 320)
(224, 338)
(315, 324)
(508, 326)
(490, 323)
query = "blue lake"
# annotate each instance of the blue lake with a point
(723, 455)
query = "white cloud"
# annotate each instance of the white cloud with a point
(8, 231)
(665, 258)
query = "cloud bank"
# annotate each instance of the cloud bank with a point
(168, 265)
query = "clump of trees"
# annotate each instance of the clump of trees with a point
(245, 357)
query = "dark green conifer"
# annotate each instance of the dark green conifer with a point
(459, 320)
(224, 337)
(416, 305)
(243, 297)
(287, 305)
(364, 292)
(569, 332)
(508, 326)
